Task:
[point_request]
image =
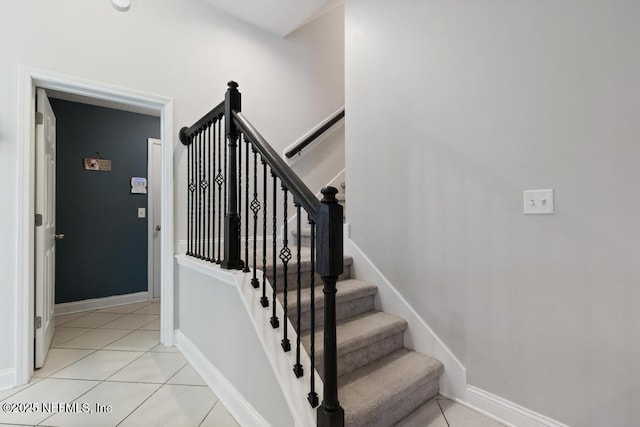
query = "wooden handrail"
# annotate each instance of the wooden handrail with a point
(316, 133)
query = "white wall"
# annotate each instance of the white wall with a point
(454, 109)
(184, 50)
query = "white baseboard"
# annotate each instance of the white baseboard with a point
(505, 411)
(419, 336)
(7, 379)
(96, 303)
(236, 404)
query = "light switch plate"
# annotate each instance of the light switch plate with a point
(142, 212)
(538, 202)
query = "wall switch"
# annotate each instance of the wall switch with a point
(538, 202)
(142, 212)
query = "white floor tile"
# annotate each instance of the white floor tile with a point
(153, 326)
(458, 415)
(64, 334)
(94, 339)
(62, 319)
(48, 390)
(136, 341)
(4, 394)
(151, 368)
(220, 417)
(428, 415)
(172, 406)
(93, 320)
(123, 309)
(151, 308)
(131, 321)
(99, 365)
(122, 397)
(187, 376)
(160, 348)
(59, 358)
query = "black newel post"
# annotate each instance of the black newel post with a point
(232, 219)
(329, 249)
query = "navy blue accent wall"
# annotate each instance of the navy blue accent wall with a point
(104, 252)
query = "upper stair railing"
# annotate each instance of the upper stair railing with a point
(314, 135)
(217, 228)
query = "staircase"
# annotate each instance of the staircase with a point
(369, 378)
(380, 382)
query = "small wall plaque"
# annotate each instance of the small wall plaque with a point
(92, 164)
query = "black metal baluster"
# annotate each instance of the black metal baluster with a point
(189, 207)
(198, 193)
(297, 368)
(212, 192)
(203, 188)
(264, 300)
(246, 209)
(239, 191)
(274, 317)
(219, 181)
(312, 397)
(285, 257)
(207, 172)
(255, 207)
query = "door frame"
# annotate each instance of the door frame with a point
(28, 79)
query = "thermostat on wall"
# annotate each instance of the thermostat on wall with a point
(138, 185)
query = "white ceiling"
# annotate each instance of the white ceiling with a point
(279, 17)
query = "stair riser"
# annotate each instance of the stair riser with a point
(358, 358)
(344, 309)
(398, 406)
(305, 277)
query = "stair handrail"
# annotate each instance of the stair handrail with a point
(315, 133)
(326, 214)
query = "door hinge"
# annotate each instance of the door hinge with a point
(38, 220)
(39, 118)
(38, 322)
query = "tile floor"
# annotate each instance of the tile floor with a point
(112, 358)
(111, 364)
(443, 412)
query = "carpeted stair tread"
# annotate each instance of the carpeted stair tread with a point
(387, 390)
(361, 340)
(360, 331)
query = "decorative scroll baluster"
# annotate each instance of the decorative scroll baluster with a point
(274, 317)
(312, 397)
(264, 300)
(246, 209)
(219, 181)
(285, 257)
(201, 242)
(297, 368)
(255, 207)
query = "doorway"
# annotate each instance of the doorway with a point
(30, 79)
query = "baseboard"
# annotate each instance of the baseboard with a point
(236, 404)
(419, 335)
(7, 379)
(96, 303)
(505, 411)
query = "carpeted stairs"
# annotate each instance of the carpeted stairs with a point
(380, 381)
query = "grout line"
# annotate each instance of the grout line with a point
(442, 412)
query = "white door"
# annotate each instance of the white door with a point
(45, 232)
(154, 155)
